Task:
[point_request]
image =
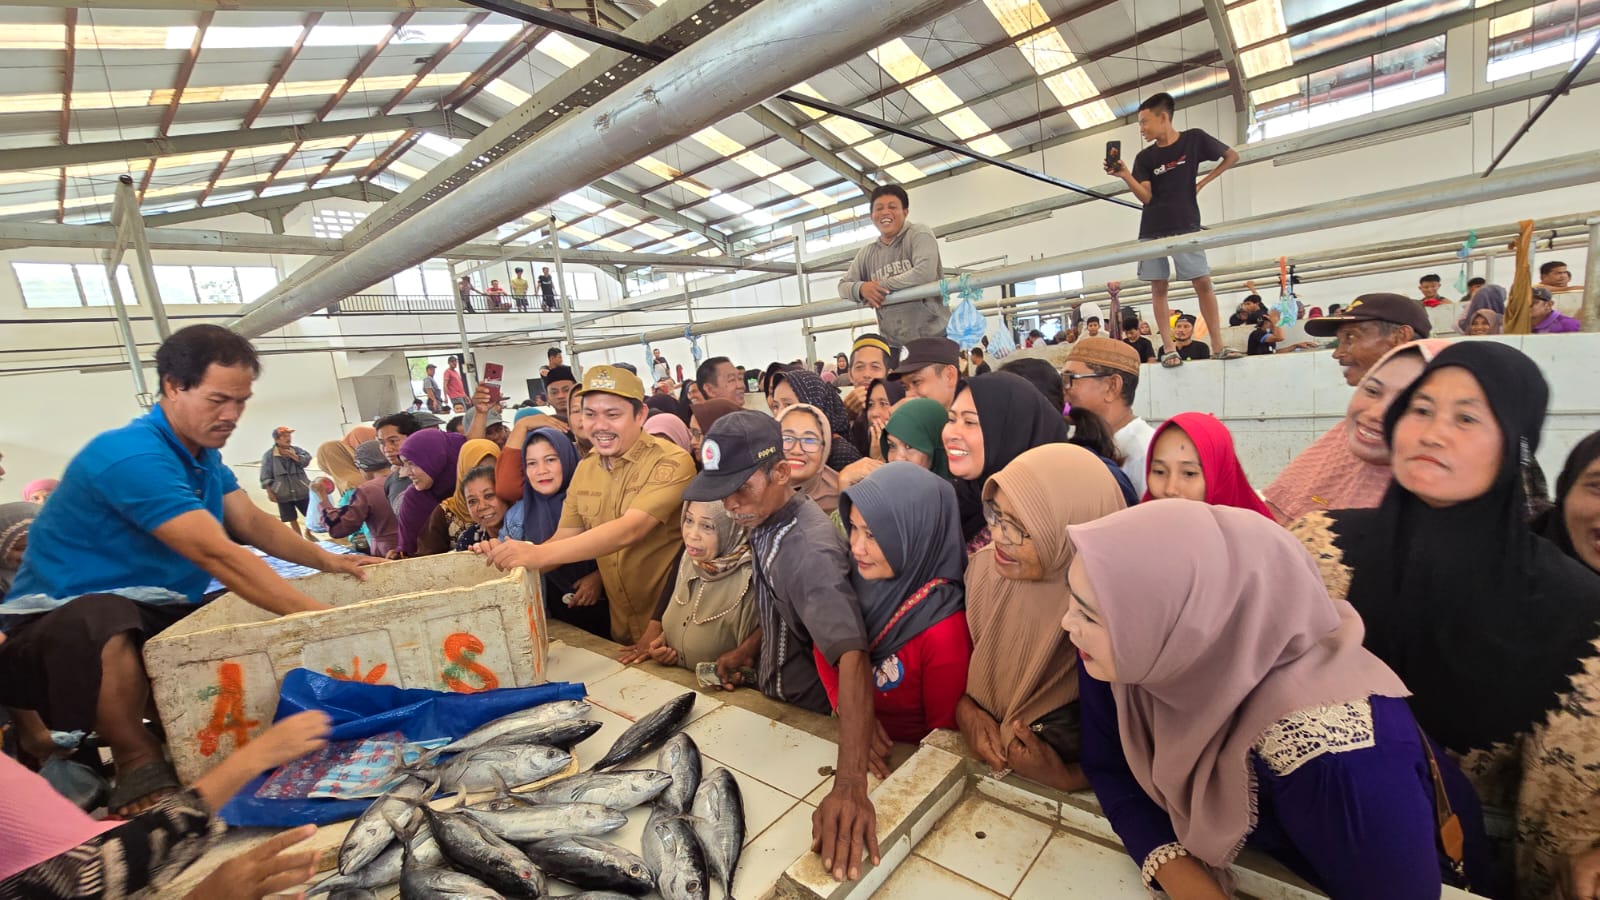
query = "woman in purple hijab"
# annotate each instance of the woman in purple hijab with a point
(430, 455)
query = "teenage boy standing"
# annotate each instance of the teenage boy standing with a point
(1164, 180)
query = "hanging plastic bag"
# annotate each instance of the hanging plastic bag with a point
(1288, 305)
(966, 323)
(1001, 344)
(365, 710)
(314, 517)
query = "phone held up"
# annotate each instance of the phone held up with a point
(493, 373)
(1113, 156)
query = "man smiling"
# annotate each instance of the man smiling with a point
(905, 254)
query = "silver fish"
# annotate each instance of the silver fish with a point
(564, 734)
(432, 882)
(471, 847)
(622, 789)
(527, 822)
(597, 895)
(350, 893)
(680, 758)
(681, 874)
(369, 834)
(719, 824)
(387, 868)
(543, 714)
(591, 863)
(648, 731)
(485, 768)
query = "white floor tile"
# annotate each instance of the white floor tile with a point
(1073, 866)
(918, 879)
(986, 842)
(634, 692)
(569, 663)
(786, 758)
(767, 857)
(763, 803)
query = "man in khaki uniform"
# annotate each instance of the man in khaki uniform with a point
(622, 508)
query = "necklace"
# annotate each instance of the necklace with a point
(700, 592)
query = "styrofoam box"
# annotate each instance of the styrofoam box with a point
(443, 622)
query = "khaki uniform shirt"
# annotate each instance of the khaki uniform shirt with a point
(651, 476)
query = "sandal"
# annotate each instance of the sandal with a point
(153, 781)
(1171, 360)
(1230, 353)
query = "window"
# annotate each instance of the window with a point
(582, 286)
(334, 223)
(408, 283)
(216, 284)
(68, 286)
(1550, 34)
(254, 281)
(1055, 284)
(176, 284)
(1371, 84)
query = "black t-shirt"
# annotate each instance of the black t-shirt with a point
(982, 369)
(1171, 173)
(547, 285)
(1257, 344)
(1147, 350)
(1244, 318)
(1195, 350)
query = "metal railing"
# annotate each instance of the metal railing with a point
(370, 304)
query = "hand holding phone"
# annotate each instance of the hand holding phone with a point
(1113, 157)
(492, 375)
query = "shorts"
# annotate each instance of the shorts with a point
(1190, 265)
(50, 663)
(290, 510)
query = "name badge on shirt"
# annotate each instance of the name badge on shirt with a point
(889, 673)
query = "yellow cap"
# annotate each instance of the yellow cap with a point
(613, 380)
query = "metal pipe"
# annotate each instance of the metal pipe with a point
(461, 325)
(125, 328)
(126, 214)
(1551, 174)
(561, 295)
(1560, 90)
(700, 85)
(1590, 314)
(805, 292)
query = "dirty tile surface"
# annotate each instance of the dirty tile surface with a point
(919, 879)
(1074, 866)
(786, 758)
(986, 842)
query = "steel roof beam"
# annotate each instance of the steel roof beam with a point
(354, 190)
(664, 213)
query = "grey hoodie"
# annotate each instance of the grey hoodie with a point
(912, 258)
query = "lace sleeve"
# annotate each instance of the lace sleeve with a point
(1159, 857)
(1314, 530)
(148, 850)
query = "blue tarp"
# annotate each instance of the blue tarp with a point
(362, 710)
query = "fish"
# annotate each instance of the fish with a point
(597, 895)
(587, 862)
(681, 863)
(485, 768)
(648, 731)
(680, 758)
(471, 847)
(387, 868)
(531, 822)
(370, 834)
(432, 882)
(353, 894)
(564, 734)
(719, 824)
(543, 714)
(622, 789)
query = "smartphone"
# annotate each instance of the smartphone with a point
(1113, 155)
(492, 374)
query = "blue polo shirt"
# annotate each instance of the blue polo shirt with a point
(94, 536)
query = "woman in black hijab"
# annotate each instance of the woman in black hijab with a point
(994, 419)
(808, 388)
(1573, 524)
(1491, 627)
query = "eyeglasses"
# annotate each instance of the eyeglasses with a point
(809, 443)
(1002, 527)
(1073, 378)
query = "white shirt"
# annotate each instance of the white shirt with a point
(1133, 440)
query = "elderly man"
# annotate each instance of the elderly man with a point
(1102, 376)
(1372, 325)
(146, 515)
(719, 379)
(622, 508)
(805, 602)
(931, 369)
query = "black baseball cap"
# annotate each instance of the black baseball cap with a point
(559, 374)
(1391, 308)
(927, 351)
(732, 449)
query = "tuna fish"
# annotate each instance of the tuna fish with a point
(387, 868)
(719, 824)
(370, 834)
(425, 882)
(564, 734)
(590, 863)
(649, 731)
(543, 714)
(529, 822)
(680, 758)
(470, 847)
(622, 789)
(681, 863)
(485, 768)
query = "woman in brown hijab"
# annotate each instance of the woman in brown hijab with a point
(1020, 711)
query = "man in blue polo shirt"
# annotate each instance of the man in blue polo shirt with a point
(145, 516)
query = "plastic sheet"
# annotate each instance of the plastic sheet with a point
(363, 710)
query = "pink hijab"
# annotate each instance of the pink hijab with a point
(669, 426)
(1326, 475)
(1231, 633)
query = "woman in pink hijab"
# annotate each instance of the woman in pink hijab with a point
(1227, 699)
(1348, 467)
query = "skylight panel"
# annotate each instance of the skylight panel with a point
(862, 141)
(667, 173)
(438, 144)
(561, 50)
(1050, 57)
(1257, 21)
(508, 92)
(903, 64)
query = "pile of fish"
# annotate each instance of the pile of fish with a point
(508, 845)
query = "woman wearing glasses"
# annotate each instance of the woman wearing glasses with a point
(1020, 712)
(807, 441)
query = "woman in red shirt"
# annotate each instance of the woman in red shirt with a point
(908, 565)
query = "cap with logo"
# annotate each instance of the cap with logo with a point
(612, 380)
(732, 449)
(927, 351)
(1391, 308)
